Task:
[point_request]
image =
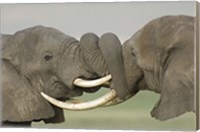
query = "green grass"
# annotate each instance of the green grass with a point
(133, 114)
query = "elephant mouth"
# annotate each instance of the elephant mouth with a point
(108, 99)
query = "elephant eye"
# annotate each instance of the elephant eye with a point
(133, 52)
(48, 56)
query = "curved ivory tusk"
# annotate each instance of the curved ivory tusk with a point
(91, 83)
(117, 100)
(82, 106)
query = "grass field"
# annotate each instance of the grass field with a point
(133, 114)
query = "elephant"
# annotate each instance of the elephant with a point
(43, 60)
(160, 58)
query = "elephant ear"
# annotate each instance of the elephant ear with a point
(177, 90)
(20, 102)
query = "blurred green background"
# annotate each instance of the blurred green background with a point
(133, 114)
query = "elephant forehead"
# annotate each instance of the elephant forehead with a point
(49, 32)
(48, 43)
(143, 44)
(43, 36)
(143, 39)
(54, 40)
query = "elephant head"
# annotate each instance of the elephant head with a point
(160, 57)
(42, 59)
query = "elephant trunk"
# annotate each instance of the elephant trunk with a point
(104, 56)
(92, 56)
(112, 51)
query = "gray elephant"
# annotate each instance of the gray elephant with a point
(160, 57)
(42, 60)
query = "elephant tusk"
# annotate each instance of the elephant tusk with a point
(91, 83)
(83, 105)
(118, 100)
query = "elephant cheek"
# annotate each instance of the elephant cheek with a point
(66, 77)
(135, 80)
(134, 75)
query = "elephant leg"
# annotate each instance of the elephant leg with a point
(16, 124)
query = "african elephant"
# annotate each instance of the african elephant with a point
(160, 57)
(43, 59)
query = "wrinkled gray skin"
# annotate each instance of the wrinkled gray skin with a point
(43, 59)
(160, 57)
